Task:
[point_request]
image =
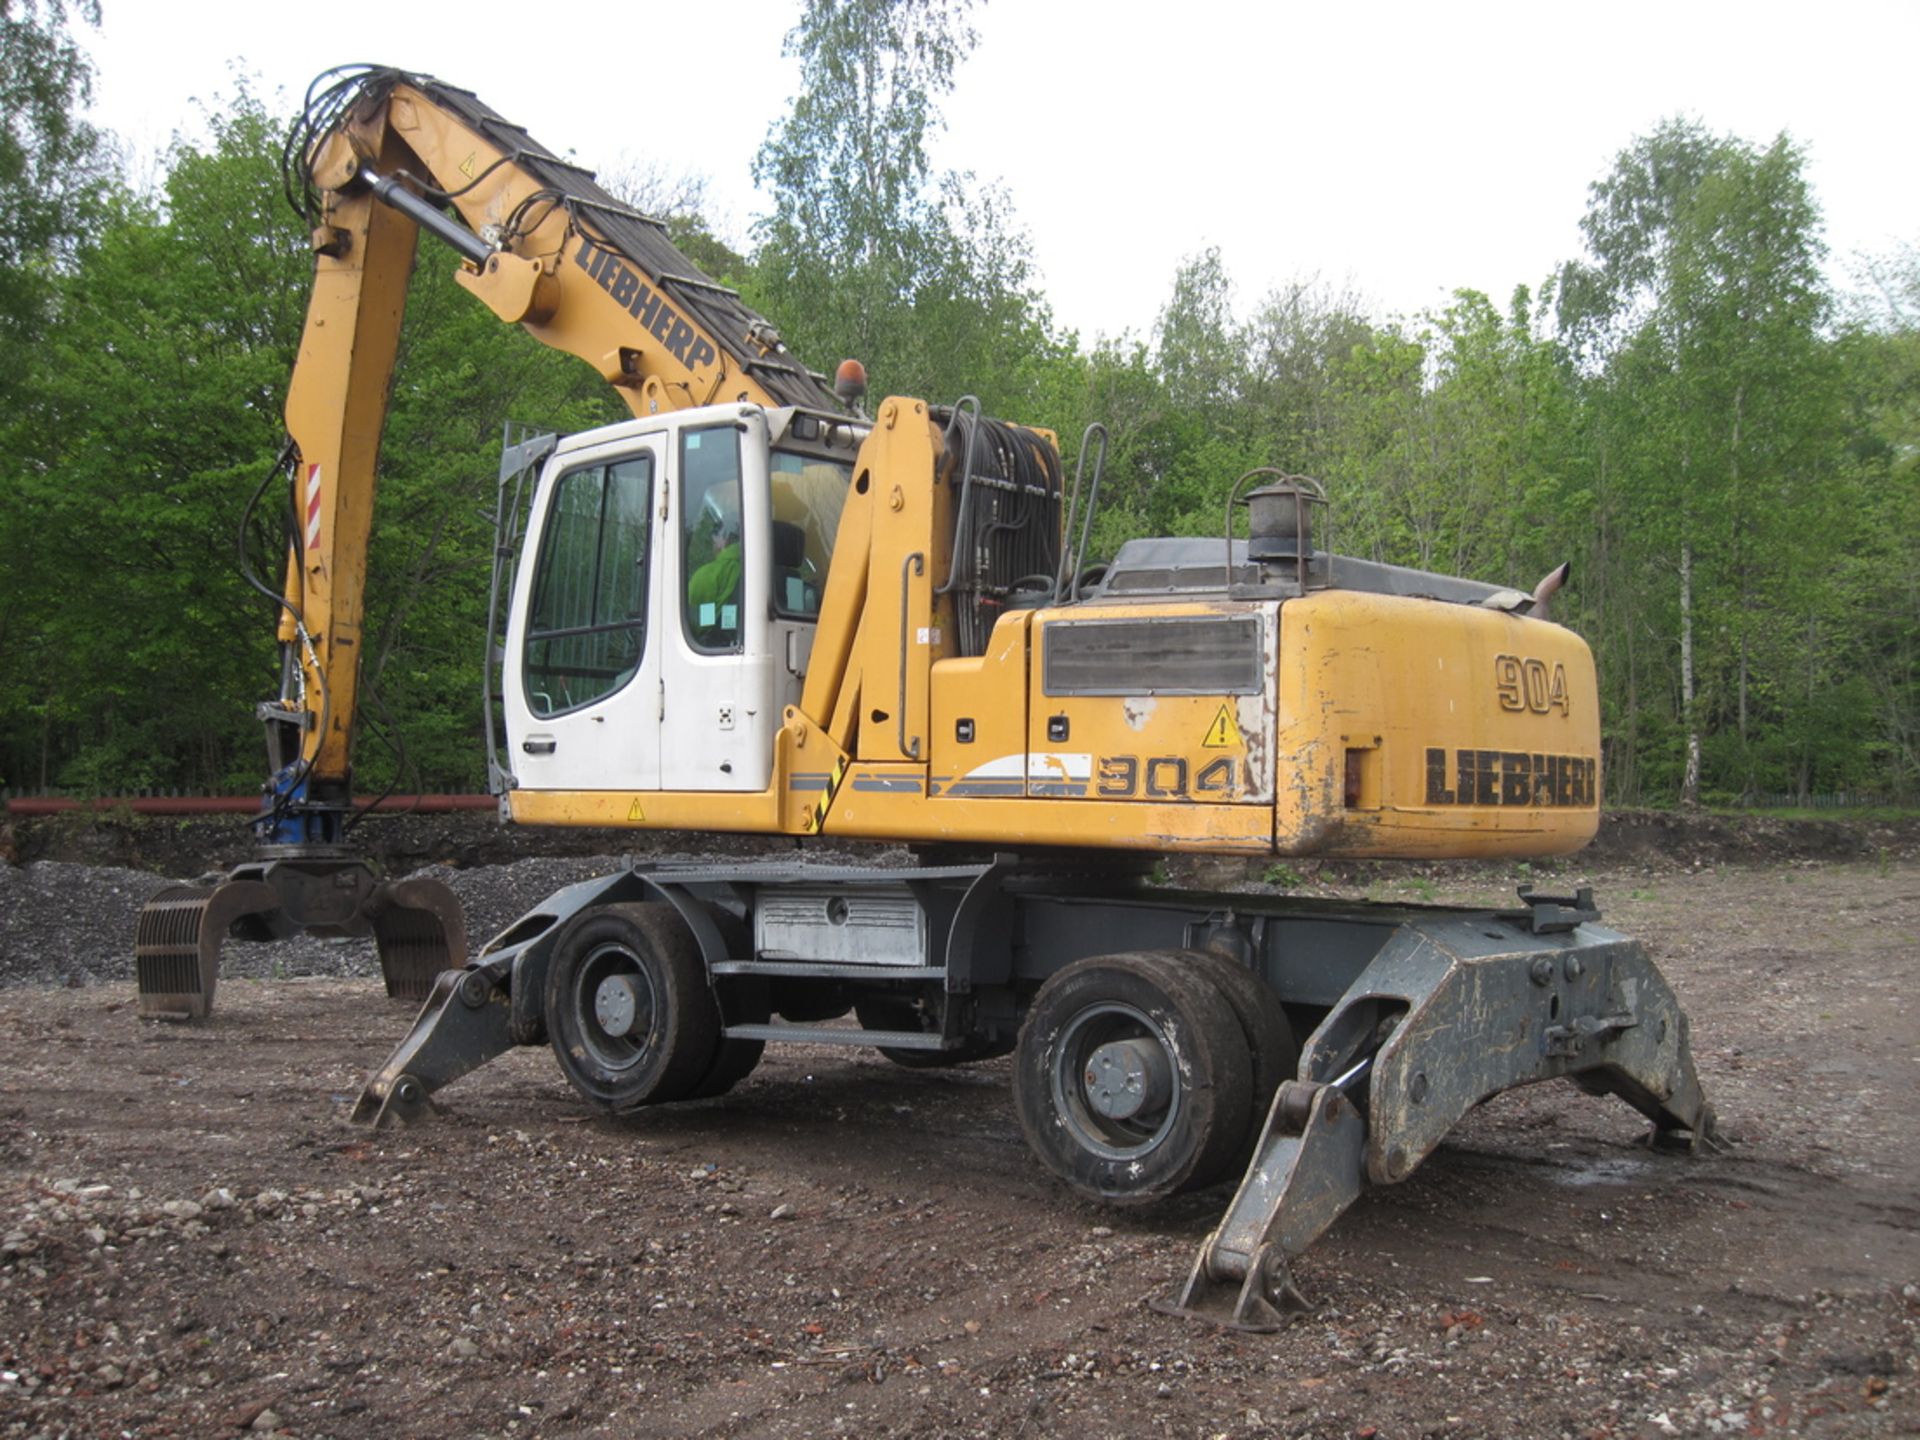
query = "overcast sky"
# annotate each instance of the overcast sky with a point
(1401, 150)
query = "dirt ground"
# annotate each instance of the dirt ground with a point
(193, 1242)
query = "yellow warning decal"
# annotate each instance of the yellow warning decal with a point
(635, 815)
(1224, 733)
(466, 166)
(819, 816)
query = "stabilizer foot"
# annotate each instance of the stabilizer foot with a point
(467, 1021)
(1455, 1008)
(1308, 1168)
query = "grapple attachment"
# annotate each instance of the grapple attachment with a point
(416, 925)
(176, 949)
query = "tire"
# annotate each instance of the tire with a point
(1269, 1034)
(732, 1063)
(897, 1012)
(734, 1060)
(672, 1029)
(1182, 1039)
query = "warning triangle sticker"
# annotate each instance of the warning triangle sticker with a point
(1223, 734)
(634, 814)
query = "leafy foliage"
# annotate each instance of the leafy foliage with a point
(51, 168)
(1729, 462)
(1700, 318)
(868, 252)
(130, 648)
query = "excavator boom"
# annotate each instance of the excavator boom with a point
(378, 155)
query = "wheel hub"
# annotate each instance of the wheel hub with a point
(1126, 1077)
(616, 1004)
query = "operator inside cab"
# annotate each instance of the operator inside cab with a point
(711, 556)
(713, 589)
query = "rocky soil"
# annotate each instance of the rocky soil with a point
(193, 1242)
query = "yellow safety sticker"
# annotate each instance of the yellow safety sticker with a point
(1224, 733)
(634, 814)
(819, 816)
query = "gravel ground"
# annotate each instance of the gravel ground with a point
(194, 1243)
(68, 924)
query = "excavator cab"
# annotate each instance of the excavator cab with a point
(662, 617)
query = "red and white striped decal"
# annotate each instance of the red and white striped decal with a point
(313, 508)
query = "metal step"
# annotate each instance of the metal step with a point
(838, 1035)
(819, 970)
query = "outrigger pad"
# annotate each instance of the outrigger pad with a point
(176, 949)
(1306, 1170)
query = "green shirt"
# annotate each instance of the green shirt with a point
(713, 598)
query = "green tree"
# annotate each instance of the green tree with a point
(131, 651)
(152, 413)
(1877, 570)
(1699, 317)
(51, 168)
(1199, 438)
(1298, 339)
(1444, 442)
(868, 252)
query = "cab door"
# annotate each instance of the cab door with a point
(582, 678)
(718, 715)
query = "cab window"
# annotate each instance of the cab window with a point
(808, 495)
(712, 556)
(587, 628)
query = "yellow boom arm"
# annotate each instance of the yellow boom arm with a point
(384, 154)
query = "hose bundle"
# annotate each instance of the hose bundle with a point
(1006, 537)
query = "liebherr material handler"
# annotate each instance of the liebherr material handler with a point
(750, 608)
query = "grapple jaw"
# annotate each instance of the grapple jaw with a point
(1453, 1010)
(416, 925)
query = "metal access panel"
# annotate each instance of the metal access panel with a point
(840, 925)
(1162, 655)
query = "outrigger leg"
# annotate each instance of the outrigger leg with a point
(1451, 1012)
(482, 1011)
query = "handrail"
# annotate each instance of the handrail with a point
(1066, 585)
(914, 564)
(960, 565)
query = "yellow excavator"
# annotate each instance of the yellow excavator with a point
(755, 608)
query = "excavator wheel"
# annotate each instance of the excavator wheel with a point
(1133, 1078)
(734, 1059)
(732, 1063)
(629, 1013)
(1270, 1040)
